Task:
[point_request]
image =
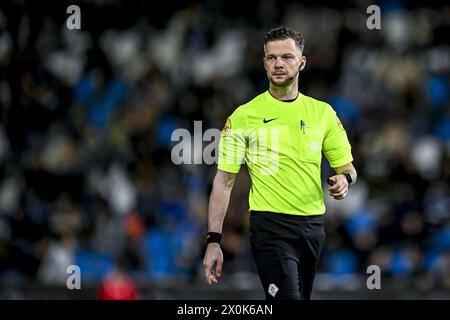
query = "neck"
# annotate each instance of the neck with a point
(284, 93)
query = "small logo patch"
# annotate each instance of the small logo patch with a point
(268, 120)
(339, 123)
(226, 129)
(273, 289)
(314, 146)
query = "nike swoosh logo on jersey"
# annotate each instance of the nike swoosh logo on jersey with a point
(268, 120)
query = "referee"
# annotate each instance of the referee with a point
(280, 135)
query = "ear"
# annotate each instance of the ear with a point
(302, 63)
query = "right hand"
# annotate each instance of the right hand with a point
(213, 258)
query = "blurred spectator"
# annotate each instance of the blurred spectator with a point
(58, 257)
(118, 286)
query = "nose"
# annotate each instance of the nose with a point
(278, 62)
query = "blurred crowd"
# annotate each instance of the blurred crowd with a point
(87, 116)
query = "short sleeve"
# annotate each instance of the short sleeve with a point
(336, 147)
(233, 143)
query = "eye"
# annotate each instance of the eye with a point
(270, 58)
(288, 58)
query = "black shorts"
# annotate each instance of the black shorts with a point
(287, 250)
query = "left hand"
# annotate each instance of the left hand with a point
(340, 188)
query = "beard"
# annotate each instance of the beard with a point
(286, 82)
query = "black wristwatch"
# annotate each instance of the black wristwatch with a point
(349, 178)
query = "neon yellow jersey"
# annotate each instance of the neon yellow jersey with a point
(282, 145)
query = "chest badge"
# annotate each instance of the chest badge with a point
(314, 146)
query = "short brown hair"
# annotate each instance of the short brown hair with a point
(282, 33)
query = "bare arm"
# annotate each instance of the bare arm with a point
(218, 204)
(347, 168)
(219, 199)
(340, 188)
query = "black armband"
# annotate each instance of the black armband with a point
(213, 237)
